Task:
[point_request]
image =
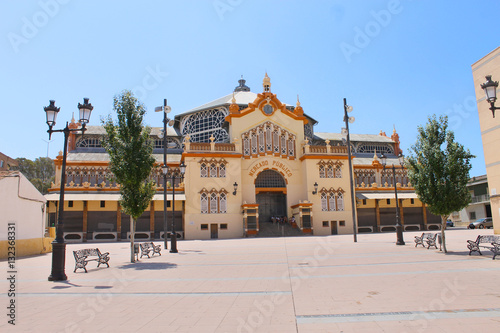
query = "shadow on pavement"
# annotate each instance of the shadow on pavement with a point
(148, 266)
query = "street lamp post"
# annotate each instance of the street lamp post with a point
(490, 89)
(348, 120)
(399, 227)
(173, 236)
(166, 109)
(58, 245)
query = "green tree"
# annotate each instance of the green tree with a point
(40, 172)
(438, 169)
(131, 157)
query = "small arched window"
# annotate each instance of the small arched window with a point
(204, 203)
(203, 170)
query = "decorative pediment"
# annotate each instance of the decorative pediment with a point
(267, 103)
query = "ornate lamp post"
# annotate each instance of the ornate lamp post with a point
(490, 89)
(315, 188)
(180, 175)
(58, 245)
(166, 109)
(399, 227)
(348, 120)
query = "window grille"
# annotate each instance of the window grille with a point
(204, 203)
(171, 143)
(331, 201)
(213, 170)
(322, 173)
(364, 176)
(329, 171)
(222, 203)
(283, 144)
(308, 131)
(324, 203)
(89, 142)
(266, 138)
(276, 142)
(375, 147)
(203, 170)
(246, 146)
(261, 142)
(269, 139)
(338, 172)
(291, 147)
(201, 125)
(222, 170)
(213, 203)
(340, 201)
(270, 178)
(254, 144)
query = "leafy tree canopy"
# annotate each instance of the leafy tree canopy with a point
(40, 172)
(131, 153)
(438, 168)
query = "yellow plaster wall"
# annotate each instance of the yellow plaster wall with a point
(194, 183)
(311, 176)
(27, 247)
(490, 128)
(77, 206)
(95, 206)
(158, 205)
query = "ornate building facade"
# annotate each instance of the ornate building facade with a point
(249, 157)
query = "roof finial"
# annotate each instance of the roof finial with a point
(234, 108)
(73, 118)
(267, 83)
(394, 131)
(298, 109)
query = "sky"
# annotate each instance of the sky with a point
(396, 62)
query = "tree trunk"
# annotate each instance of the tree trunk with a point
(132, 234)
(444, 218)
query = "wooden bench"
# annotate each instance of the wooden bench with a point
(81, 258)
(494, 241)
(429, 238)
(148, 247)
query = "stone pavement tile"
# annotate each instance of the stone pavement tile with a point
(182, 292)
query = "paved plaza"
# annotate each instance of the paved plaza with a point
(289, 284)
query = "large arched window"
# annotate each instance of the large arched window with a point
(270, 178)
(203, 124)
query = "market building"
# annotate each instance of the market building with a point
(250, 158)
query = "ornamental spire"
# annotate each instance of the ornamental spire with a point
(234, 108)
(298, 109)
(266, 83)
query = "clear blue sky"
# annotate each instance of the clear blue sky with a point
(396, 62)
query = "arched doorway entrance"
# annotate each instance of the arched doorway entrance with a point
(270, 193)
